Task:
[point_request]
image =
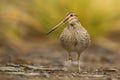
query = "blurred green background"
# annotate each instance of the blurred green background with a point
(25, 20)
(23, 39)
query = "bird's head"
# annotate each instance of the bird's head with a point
(69, 19)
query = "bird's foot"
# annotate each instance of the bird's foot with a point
(78, 71)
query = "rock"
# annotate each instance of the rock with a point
(110, 70)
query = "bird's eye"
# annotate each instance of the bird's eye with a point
(71, 14)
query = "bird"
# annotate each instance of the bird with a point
(74, 37)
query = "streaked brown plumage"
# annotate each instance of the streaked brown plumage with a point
(74, 37)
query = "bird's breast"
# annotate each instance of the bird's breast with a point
(74, 40)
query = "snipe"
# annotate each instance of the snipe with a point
(74, 38)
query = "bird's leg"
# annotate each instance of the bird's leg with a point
(78, 59)
(70, 56)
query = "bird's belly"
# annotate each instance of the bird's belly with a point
(76, 43)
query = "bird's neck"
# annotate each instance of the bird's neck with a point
(75, 26)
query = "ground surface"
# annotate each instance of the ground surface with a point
(48, 61)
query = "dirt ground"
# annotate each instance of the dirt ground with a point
(47, 60)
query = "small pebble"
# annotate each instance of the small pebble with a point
(45, 74)
(106, 78)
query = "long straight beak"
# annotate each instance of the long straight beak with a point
(60, 24)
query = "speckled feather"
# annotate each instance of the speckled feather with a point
(74, 38)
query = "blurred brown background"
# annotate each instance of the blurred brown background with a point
(24, 24)
(23, 39)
